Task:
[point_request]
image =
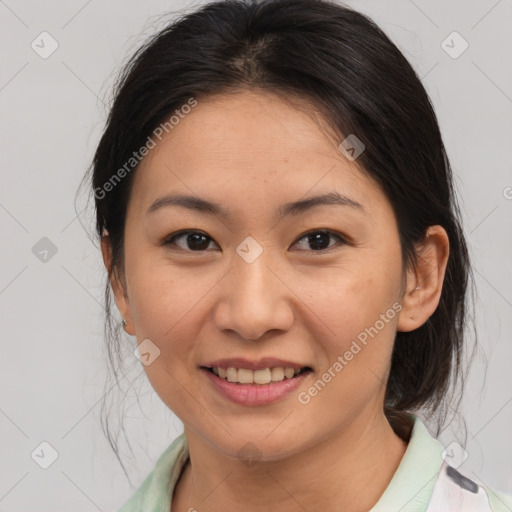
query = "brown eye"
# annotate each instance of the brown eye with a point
(193, 240)
(319, 240)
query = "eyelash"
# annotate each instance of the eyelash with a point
(170, 240)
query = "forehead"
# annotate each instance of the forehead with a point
(249, 147)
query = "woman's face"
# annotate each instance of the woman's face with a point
(260, 281)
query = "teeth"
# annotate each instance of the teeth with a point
(264, 376)
(245, 376)
(289, 373)
(277, 374)
(232, 374)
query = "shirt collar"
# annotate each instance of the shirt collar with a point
(412, 484)
(410, 488)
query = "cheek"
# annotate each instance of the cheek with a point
(349, 301)
(358, 354)
(361, 312)
(166, 307)
(163, 299)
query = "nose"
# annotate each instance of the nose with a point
(254, 300)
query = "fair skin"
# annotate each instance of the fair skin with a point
(251, 152)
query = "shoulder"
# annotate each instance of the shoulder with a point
(499, 500)
(427, 481)
(155, 492)
(455, 491)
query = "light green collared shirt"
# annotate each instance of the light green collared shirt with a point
(410, 489)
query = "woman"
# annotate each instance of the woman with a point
(281, 235)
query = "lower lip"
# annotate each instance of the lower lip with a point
(255, 394)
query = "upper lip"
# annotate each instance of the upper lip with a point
(264, 362)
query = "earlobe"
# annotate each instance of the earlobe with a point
(425, 281)
(411, 307)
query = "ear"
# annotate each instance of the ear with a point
(425, 282)
(118, 286)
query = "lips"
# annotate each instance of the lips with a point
(255, 387)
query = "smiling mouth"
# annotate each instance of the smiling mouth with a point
(262, 376)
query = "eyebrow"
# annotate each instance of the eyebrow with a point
(201, 205)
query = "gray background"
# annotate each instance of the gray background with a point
(52, 112)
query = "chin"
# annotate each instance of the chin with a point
(255, 444)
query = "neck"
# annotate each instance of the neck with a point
(361, 460)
